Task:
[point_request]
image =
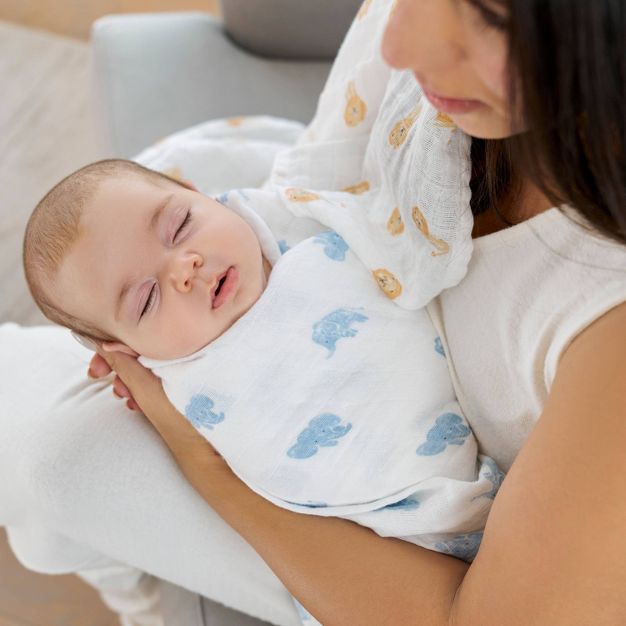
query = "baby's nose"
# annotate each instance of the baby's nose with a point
(184, 270)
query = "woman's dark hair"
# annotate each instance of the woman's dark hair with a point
(567, 71)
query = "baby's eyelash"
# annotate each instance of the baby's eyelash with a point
(185, 222)
(149, 301)
(152, 295)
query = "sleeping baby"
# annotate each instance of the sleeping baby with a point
(288, 326)
(320, 392)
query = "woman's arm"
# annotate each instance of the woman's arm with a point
(554, 550)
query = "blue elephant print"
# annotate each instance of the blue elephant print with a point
(439, 346)
(463, 547)
(323, 430)
(283, 247)
(335, 247)
(222, 198)
(310, 504)
(334, 326)
(448, 430)
(199, 412)
(494, 475)
(407, 504)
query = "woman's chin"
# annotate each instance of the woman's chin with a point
(484, 125)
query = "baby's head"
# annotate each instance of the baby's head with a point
(144, 263)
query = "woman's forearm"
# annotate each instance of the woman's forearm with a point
(343, 573)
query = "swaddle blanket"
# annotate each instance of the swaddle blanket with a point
(331, 396)
(326, 397)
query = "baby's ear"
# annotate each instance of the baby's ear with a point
(116, 346)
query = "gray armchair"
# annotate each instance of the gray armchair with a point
(158, 73)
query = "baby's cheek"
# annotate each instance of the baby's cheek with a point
(196, 330)
(178, 334)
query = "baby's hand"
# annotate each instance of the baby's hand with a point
(98, 368)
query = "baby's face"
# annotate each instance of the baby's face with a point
(165, 269)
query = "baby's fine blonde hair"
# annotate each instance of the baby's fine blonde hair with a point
(55, 225)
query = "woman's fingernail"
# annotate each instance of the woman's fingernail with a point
(96, 371)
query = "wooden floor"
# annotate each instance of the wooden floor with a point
(30, 599)
(46, 131)
(73, 18)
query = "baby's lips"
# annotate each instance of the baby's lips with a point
(216, 284)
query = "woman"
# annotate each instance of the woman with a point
(554, 547)
(535, 335)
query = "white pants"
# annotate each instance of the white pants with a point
(88, 486)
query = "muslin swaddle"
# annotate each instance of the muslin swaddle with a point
(331, 395)
(328, 398)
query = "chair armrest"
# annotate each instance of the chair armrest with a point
(158, 73)
(288, 29)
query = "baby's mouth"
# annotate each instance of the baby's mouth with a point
(224, 286)
(220, 283)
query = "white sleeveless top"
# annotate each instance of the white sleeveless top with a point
(529, 290)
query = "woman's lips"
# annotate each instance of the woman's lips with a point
(452, 105)
(231, 280)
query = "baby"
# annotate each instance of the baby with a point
(320, 392)
(96, 243)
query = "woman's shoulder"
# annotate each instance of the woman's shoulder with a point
(568, 234)
(563, 233)
(529, 291)
(557, 270)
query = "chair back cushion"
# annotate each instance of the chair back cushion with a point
(289, 29)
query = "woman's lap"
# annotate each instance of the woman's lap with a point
(94, 479)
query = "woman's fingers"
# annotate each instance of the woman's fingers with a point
(120, 389)
(135, 381)
(98, 367)
(144, 393)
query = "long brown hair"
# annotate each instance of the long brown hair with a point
(567, 71)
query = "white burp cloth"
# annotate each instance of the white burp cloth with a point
(325, 397)
(407, 215)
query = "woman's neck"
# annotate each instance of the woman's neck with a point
(530, 201)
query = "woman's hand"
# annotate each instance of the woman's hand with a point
(144, 392)
(98, 367)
